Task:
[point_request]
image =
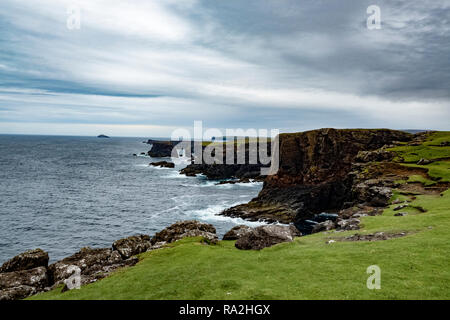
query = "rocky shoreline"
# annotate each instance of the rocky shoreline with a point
(348, 174)
(29, 273)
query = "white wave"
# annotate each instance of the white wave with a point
(211, 214)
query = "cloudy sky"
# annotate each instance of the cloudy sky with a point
(146, 67)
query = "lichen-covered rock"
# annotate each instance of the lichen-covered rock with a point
(94, 264)
(21, 284)
(25, 261)
(266, 236)
(236, 232)
(183, 229)
(131, 246)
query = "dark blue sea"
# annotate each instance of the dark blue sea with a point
(63, 193)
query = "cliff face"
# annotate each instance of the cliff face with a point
(246, 170)
(313, 173)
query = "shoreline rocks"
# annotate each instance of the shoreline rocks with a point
(163, 164)
(27, 260)
(131, 246)
(266, 236)
(183, 229)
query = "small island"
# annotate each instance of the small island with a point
(102, 136)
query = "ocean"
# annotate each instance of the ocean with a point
(62, 193)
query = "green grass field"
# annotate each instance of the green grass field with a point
(412, 267)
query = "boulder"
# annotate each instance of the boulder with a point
(25, 261)
(237, 232)
(266, 236)
(20, 284)
(183, 229)
(323, 226)
(94, 264)
(131, 246)
(347, 224)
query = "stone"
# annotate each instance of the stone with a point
(323, 226)
(94, 264)
(183, 229)
(348, 224)
(27, 260)
(400, 214)
(237, 232)
(131, 246)
(20, 284)
(266, 236)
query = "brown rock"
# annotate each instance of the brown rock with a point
(323, 226)
(94, 264)
(314, 173)
(183, 229)
(131, 246)
(266, 236)
(237, 232)
(21, 284)
(25, 261)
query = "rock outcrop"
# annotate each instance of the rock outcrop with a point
(27, 260)
(237, 232)
(241, 167)
(183, 229)
(266, 236)
(131, 246)
(94, 264)
(314, 173)
(21, 284)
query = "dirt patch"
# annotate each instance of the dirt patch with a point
(416, 188)
(378, 236)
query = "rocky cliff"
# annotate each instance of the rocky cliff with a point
(313, 173)
(240, 169)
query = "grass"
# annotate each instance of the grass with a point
(430, 149)
(412, 267)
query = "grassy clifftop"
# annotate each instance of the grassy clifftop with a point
(414, 266)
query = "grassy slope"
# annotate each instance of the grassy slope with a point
(412, 267)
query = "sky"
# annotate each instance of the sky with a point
(148, 67)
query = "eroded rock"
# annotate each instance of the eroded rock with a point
(237, 232)
(94, 264)
(20, 284)
(266, 236)
(28, 260)
(131, 246)
(183, 229)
